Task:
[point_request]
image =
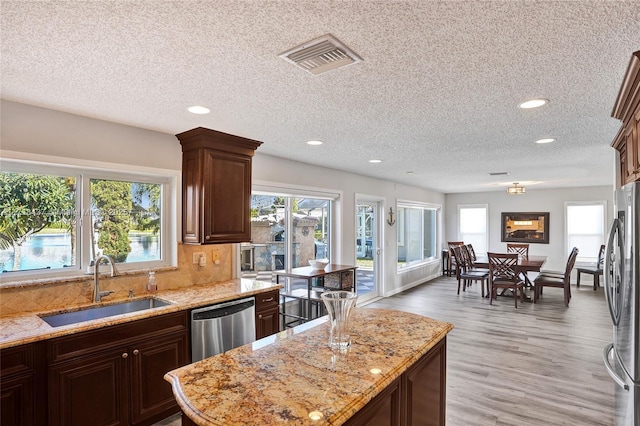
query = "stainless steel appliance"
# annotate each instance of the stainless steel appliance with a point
(622, 268)
(219, 328)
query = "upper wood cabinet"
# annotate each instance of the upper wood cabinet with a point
(627, 109)
(216, 186)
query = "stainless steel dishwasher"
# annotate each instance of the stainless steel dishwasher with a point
(219, 328)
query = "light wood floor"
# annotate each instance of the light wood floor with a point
(538, 365)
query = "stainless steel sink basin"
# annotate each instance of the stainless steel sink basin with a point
(74, 317)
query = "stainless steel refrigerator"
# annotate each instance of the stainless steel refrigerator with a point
(621, 273)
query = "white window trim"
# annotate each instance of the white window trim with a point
(438, 229)
(603, 203)
(171, 214)
(259, 187)
(475, 206)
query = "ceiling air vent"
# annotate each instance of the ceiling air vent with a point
(498, 173)
(321, 55)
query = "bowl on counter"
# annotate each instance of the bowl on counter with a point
(318, 263)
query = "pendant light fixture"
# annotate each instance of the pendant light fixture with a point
(516, 189)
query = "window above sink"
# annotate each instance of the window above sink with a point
(60, 217)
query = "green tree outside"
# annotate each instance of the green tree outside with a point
(112, 204)
(28, 204)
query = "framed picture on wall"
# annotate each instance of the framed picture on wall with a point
(525, 227)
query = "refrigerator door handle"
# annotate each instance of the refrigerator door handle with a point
(610, 370)
(609, 290)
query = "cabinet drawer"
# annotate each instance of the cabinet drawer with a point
(16, 360)
(69, 347)
(267, 300)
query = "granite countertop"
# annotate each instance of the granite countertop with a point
(26, 328)
(293, 377)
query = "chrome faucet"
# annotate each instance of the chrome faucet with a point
(97, 294)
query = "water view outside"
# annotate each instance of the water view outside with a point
(53, 251)
(40, 217)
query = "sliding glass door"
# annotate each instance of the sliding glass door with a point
(286, 232)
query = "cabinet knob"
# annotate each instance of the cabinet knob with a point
(136, 352)
(208, 237)
(260, 316)
(124, 355)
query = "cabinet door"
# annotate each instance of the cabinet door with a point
(226, 197)
(90, 391)
(425, 386)
(267, 313)
(632, 153)
(191, 193)
(267, 322)
(633, 136)
(17, 385)
(150, 360)
(383, 410)
(16, 401)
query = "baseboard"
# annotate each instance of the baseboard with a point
(412, 284)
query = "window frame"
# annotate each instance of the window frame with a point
(403, 205)
(295, 191)
(84, 172)
(567, 204)
(486, 235)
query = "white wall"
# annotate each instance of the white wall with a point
(542, 200)
(43, 132)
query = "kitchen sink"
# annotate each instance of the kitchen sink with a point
(97, 312)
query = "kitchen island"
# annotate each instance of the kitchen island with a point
(394, 373)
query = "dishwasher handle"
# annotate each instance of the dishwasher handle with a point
(218, 311)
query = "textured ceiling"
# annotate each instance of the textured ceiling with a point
(436, 93)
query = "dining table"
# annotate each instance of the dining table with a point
(525, 264)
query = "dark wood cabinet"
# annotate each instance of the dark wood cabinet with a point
(90, 390)
(383, 410)
(151, 360)
(216, 186)
(627, 109)
(115, 375)
(416, 398)
(22, 385)
(424, 386)
(267, 313)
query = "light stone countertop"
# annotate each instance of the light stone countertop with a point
(283, 378)
(26, 328)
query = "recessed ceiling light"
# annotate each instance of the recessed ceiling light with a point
(314, 143)
(410, 172)
(533, 103)
(548, 140)
(197, 109)
(375, 161)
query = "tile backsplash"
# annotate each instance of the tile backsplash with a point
(44, 296)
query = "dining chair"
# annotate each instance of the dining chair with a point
(564, 281)
(471, 252)
(502, 267)
(559, 274)
(520, 249)
(452, 260)
(465, 273)
(595, 270)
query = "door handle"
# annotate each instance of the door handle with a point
(610, 370)
(609, 279)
